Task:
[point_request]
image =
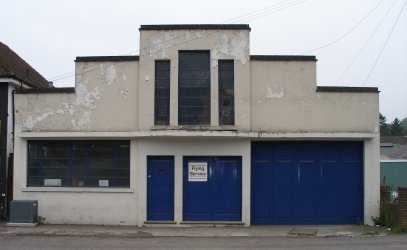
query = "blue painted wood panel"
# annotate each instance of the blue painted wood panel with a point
(220, 197)
(160, 188)
(309, 182)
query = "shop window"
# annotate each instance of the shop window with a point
(194, 88)
(226, 92)
(162, 93)
(78, 164)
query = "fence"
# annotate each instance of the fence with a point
(394, 212)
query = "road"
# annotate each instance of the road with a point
(81, 242)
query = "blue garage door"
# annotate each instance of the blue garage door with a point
(307, 182)
(212, 189)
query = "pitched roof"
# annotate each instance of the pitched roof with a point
(395, 152)
(393, 139)
(12, 65)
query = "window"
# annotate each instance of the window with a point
(78, 163)
(162, 93)
(226, 92)
(194, 88)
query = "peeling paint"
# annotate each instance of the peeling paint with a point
(124, 92)
(84, 98)
(271, 95)
(236, 46)
(108, 73)
(30, 122)
(192, 35)
(158, 43)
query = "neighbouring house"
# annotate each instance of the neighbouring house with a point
(195, 130)
(393, 161)
(15, 73)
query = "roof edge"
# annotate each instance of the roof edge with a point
(282, 58)
(347, 89)
(106, 58)
(195, 27)
(46, 91)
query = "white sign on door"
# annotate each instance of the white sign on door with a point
(198, 171)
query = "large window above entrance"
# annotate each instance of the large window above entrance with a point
(194, 88)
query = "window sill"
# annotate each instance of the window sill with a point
(196, 127)
(77, 190)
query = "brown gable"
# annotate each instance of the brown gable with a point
(12, 65)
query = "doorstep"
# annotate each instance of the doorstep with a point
(16, 224)
(215, 223)
(159, 222)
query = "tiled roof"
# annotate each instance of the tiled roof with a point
(12, 65)
(393, 139)
(396, 152)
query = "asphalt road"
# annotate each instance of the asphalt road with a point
(80, 242)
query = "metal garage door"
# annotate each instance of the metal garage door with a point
(212, 189)
(307, 182)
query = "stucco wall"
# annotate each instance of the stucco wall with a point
(105, 99)
(223, 44)
(284, 99)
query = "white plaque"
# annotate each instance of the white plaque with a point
(52, 182)
(198, 171)
(103, 183)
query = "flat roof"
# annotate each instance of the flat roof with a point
(282, 58)
(195, 27)
(45, 91)
(106, 58)
(347, 89)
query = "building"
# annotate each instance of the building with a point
(196, 130)
(15, 73)
(393, 161)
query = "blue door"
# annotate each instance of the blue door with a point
(307, 182)
(218, 197)
(160, 188)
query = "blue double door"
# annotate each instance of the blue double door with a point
(307, 182)
(213, 193)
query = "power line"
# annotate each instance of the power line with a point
(365, 44)
(346, 33)
(266, 11)
(256, 11)
(384, 45)
(271, 9)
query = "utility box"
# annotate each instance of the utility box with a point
(24, 211)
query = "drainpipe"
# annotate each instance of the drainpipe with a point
(13, 93)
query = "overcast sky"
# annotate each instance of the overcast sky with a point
(49, 34)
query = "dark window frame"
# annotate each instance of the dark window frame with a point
(194, 101)
(78, 156)
(226, 92)
(162, 76)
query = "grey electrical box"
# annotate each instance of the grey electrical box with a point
(24, 211)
